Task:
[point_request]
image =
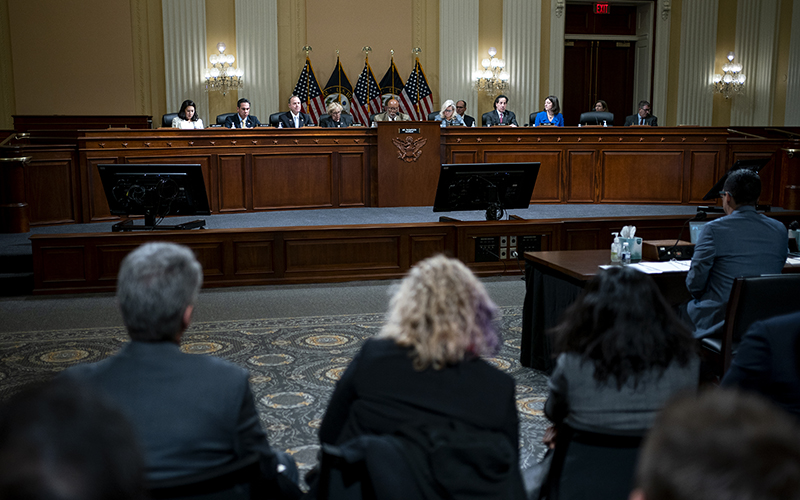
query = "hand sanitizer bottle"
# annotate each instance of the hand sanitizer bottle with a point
(625, 256)
(616, 248)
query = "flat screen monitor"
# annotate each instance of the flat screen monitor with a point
(754, 165)
(597, 118)
(494, 187)
(694, 229)
(154, 190)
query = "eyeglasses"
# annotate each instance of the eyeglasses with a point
(722, 194)
(461, 107)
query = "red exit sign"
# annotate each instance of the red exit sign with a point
(601, 8)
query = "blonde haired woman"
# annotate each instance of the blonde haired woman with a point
(448, 116)
(422, 379)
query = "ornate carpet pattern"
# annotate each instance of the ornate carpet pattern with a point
(294, 364)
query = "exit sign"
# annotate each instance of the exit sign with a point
(601, 8)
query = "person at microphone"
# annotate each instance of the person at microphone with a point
(742, 243)
(336, 118)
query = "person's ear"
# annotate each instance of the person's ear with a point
(187, 316)
(637, 494)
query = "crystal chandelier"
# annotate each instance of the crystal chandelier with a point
(492, 79)
(730, 83)
(222, 76)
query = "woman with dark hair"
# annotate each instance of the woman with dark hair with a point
(187, 116)
(423, 382)
(600, 106)
(551, 114)
(622, 353)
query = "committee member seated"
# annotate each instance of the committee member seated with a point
(335, 118)
(461, 109)
(423, 381)
(294, 118)
(600, 106)
(768, 361)
(551, 114)
(742, 243)
(643, 117)
(64, 441)
(448, 116)
(187, 116)
(723, 445)
(242, 118)
(191, 412)
(622, 353)
(392, 113)
(500, 116)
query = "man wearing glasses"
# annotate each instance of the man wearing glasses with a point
(461, 109)
(742, 243)
(643, 117)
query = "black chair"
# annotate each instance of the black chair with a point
(274, 119)
(166, 120)
(221, 118)
(532, 119)
(752, 299)
(239, 480)
(592, 465)
(432, 116)
(484, 118)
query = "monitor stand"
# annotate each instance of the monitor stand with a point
(150, 225)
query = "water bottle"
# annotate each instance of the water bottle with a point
(605, 124)
(625, 255)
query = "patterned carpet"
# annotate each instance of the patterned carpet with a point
(294, 364)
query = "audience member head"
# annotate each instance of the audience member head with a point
(243, 108)
(622, 324)
(500, 103)
(334, 108)
(601, 106)
(743, 186)
(443, 313)
(553, 104)
(448, 110)
(392, 108)
(61, 441)
(461, 107)
(644, 109)
(188, 111)
(721, 445)
(156, 289)
(295, 105)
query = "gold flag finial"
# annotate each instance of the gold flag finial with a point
(416, 51)
(366, 50)
(307, 49)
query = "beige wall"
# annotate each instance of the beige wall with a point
(72, 56)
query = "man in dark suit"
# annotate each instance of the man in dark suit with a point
(499, 116)
(294, 118)
(242, 118)
(643, 117)
(190, 412)
(461, 109)
(335, 118)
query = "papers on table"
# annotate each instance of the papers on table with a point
(794, 261)
(670, 266)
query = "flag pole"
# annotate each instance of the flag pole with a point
(366, 51)
(416, 52)
(339, 75)
(308, 49)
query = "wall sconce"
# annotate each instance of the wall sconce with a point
(730, 83)
(493, 79)
(222, 76)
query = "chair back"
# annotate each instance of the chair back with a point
(166, 120)
(485, 118)
(432, 116)
(221, 118)
(532, 119)
(239, 480)
(274, 119)
(755, 299)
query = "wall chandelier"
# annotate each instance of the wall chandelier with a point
(493, 79)
(222, 76)
(731, 82)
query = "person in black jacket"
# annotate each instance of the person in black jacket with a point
(295, 118)
(336, 117)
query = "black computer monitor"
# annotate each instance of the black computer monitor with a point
(597, 118)
(754, 165)
(154, 190)
(494, 187)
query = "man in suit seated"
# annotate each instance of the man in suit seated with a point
(190, 412)
(335, 118)
(719, 446)
(294, 118)
(643, 117)
(499, 116)
(242, 118)
(461, 109)
(392, 113)
(743, 243)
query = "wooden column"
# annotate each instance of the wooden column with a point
(14, 212)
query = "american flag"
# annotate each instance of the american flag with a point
(307, 89)
(416, 99)
(367, 97)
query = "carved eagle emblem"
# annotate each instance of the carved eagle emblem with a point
(409, 149)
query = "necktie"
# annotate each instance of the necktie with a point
(501, 117)
(641, 121)
(297, 121)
